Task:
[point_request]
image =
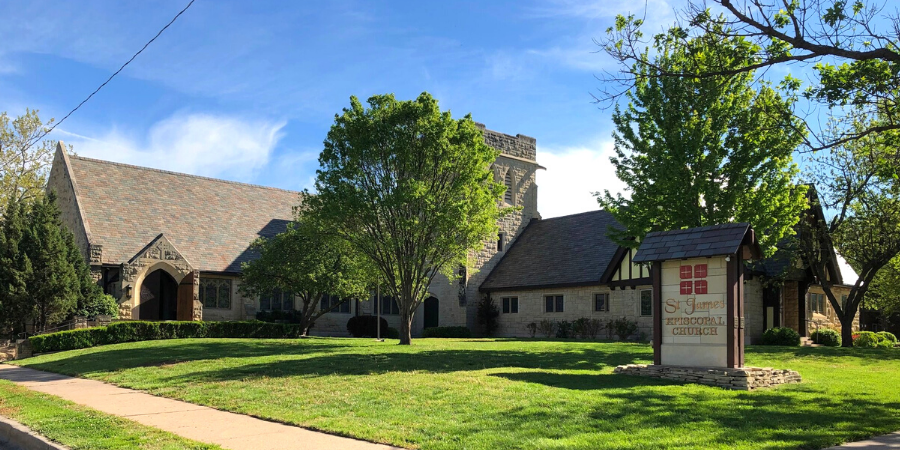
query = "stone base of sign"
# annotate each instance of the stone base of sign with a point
(743, 379)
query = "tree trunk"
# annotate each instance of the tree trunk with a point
(405, 326)
(847, 330)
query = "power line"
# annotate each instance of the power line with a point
(113, 75)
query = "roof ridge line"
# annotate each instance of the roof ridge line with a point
(170, 172)
(576, 214)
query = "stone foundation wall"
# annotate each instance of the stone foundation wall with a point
(741, 379)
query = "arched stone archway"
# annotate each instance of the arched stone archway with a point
(158, 296)
(160, 260)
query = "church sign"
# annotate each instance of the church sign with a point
(698, 293)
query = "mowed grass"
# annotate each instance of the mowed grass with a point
(506, 394)
(78, 427)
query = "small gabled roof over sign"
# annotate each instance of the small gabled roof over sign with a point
(713, 240)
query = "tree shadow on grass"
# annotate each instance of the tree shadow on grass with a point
(797, 416)
(159, 353)
(583, 382)
(838, 352)
(311, 358)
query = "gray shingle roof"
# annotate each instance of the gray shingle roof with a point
(562, 251)
(210, 221)
(713, 240)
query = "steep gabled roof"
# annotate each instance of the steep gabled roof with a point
(713, 240)
(212, 222)
(562, 251)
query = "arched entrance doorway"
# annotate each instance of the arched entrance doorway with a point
(158, 297)
(431, 312)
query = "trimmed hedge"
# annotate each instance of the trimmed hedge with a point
(827, 337)
(133, 331)
(780, 336)
(447, 332)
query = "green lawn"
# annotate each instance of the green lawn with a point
(78, 427)
(484, 394)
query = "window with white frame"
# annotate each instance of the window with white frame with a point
(554, 303)
(510, 305)
(601, 302)
(215, 293)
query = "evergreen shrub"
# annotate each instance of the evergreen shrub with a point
(865, 339)
(780, 336)
(827, 337)
(886, 335)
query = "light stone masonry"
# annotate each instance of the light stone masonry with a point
(741, 379)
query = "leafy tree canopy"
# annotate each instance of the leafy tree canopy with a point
(411, 188)
(311, 262)
(706, 150)
(24, 163)
(851, 46)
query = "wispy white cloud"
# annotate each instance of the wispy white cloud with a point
(573, 174)
(588, 21)
(202, 144)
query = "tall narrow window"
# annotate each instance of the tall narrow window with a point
(601, 302)
(508, 182)
(647, 303)
(501, 242)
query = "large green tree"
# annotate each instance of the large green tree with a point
(54, 285)
(411, 189)
(24, 160)
(884, 293)
(15, 271)
(311, 262)
(849, 50)
(705, 150)
(856, 183)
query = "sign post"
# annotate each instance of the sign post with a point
(697, 277)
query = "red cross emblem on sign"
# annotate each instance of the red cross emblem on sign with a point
(692, 279)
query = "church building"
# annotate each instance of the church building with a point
(169, 246)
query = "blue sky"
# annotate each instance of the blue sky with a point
(246, 91)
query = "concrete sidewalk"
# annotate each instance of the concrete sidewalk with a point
(229, 430)
(886, 442)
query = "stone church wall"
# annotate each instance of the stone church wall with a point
(61, 182)
(578, 303)
(513, 150)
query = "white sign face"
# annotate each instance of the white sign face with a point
(694, 312)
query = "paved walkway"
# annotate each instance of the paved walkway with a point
(229, 430)
(886, 442)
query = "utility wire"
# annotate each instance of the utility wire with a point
(111, 76)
